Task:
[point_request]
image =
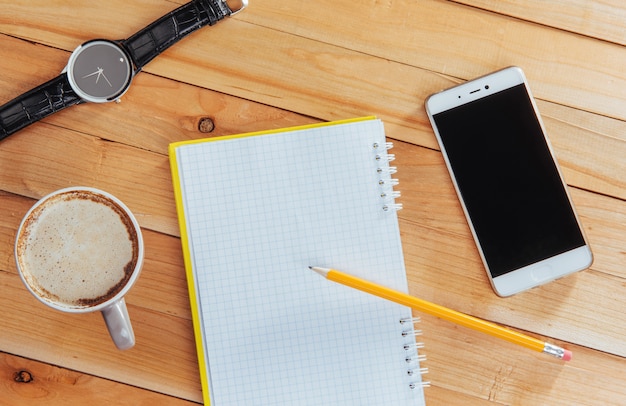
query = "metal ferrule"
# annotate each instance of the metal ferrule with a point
(554, 350)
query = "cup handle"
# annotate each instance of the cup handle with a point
(118, 322)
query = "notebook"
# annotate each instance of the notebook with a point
(256, 210)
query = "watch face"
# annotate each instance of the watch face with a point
(99, 71)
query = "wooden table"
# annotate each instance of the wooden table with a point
(287, 62)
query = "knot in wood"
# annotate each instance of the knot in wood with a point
(23, 376)
(206, 125)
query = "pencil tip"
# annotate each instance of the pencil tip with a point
(321, 271)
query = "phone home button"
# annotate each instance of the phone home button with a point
(541, 273)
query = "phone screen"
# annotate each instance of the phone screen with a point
(508, 180)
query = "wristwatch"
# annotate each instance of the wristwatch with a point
(101, 70)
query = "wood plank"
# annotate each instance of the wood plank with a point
(502, 379)
(328, 60)
(459, 360)
(601, 19)
(590, 147)
(427, 231)
(43, 160)
(316, 76)
(24, 381)
(154, 205)
(444, 266)
(154, 112)
(82, 343)
(58, 151)
(436, 395)
(413, 161)
(436, 36)
(66, 24)
(162, 285)
(158, 306)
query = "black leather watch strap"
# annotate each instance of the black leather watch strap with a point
(144, 46)
(36, 104)
(169, 29)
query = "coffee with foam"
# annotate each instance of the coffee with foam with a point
(77, 249)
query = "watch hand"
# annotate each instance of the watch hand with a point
(100, 73)
(95, 73)
(105, 78)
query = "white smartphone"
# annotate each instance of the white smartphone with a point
(508, 181)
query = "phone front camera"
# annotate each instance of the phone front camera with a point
(486, 87)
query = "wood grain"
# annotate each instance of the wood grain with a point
(160, 317)
(427, 235)
(326, 56)
(438, 244)
(152, 114)
(24, 381)
(506, 374)
(602, 19)
(463, 42)
(285, 63)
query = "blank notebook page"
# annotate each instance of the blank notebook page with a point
(258, 211)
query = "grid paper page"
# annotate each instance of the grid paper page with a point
(259, 211)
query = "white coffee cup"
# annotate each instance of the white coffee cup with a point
(80, 250)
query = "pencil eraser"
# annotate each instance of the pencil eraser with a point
(567, 355)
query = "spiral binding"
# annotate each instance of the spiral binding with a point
(412, 358)
(385, 181)
(388, 195)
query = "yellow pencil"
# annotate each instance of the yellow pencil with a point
(444, 313)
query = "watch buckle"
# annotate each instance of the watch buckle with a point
(241, 3)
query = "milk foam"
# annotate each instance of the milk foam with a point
(77, 249)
